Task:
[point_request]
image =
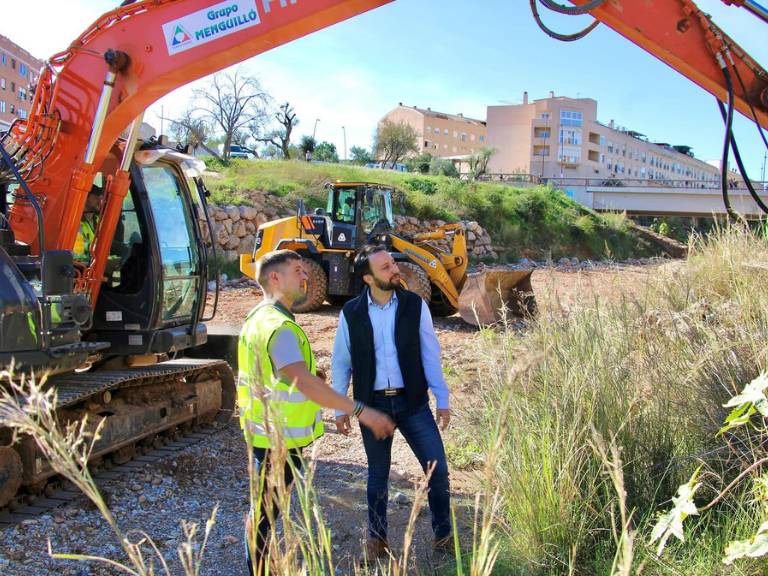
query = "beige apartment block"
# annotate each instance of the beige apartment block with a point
(439, 133)
(560, 137)
(19, 70)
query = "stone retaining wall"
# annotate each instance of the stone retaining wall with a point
(234, 227)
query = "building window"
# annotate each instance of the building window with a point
(13, 109)
(22, 69)
(5, 59)
(463, 137)
(472, 137)
(13, 63)
(13, 87)
(429, 128)
(437, 130)
(426, 143)
(544, 116)
(569, 155)
(570, 118)
(570, 136)
(482, 138)
(2, 106)
(455, 134)
(2, 83)
(454, 149)
(445, 131)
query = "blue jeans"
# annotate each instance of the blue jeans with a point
(420, 431)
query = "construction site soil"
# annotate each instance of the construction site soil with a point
(190, 483)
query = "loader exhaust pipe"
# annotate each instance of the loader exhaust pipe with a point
(487, 297)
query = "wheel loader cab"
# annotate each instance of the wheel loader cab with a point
(356, 213)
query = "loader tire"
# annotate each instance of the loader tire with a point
(317, 287)
(415, 280)
(440, 306)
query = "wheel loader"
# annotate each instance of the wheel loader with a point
(359, 213)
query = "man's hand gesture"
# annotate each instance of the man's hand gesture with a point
(443, 418)
(343, 425)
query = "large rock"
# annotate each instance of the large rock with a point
(233, 212)
(248, 212)
(247, 244)
(221, 235)
(239, 229)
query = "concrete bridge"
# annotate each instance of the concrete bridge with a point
(649, 197)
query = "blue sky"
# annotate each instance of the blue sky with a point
(456, 56)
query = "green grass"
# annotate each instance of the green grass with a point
(533, 222)
(650, 372)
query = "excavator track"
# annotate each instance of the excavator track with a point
(140, 407)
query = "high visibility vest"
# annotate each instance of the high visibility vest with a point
(264, 399)
(83, 240)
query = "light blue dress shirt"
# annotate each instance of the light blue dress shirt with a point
(388, 373)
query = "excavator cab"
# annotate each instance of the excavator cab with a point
(155, 283)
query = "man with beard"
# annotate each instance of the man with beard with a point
(280, 392)
(386, 342)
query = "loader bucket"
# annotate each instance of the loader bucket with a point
(486, 296)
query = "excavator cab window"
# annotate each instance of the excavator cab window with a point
(123, 268)
(175, 234)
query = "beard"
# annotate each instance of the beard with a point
(391, 284)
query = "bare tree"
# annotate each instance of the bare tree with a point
(394, 141)
(281, 137)
(478, 162)
(187, 129)
(232, 102)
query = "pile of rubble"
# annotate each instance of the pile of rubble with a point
(478, 240)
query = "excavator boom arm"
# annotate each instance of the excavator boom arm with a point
(680, 34)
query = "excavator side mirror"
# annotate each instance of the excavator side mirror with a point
(58, 272)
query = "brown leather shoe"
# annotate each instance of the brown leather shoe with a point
(376, 548)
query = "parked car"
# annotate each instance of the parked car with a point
(236, 151)
(388, 166)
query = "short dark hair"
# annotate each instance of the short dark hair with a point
(362, 260)
(270, 261)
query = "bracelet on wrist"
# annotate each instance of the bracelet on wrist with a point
(359, 407)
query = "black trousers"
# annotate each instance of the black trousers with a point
(261, 458)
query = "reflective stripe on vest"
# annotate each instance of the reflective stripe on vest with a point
(262, 395)
(292, 432)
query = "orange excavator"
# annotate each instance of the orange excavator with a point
(115, 332)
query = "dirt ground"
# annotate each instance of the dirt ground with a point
(341, 468)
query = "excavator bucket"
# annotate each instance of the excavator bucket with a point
(487, 296)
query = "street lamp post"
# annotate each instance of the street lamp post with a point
(314, 130)
(762, 175)
(344, 132)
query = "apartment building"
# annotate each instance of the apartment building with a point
(560, 137)
(18, 71)
(439, 133)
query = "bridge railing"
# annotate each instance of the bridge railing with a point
(532, 179)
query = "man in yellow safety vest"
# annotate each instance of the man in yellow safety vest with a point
(85, 235)
(279, 391)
